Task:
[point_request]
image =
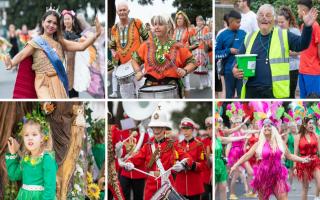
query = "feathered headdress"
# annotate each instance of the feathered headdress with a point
(235, 112)
(218, 113)
(267, 110)
(316, 110)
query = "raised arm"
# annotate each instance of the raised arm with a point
(27, 51)
(81, 46)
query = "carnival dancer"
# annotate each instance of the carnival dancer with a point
(184, 34)
(50, 80)
(237, 149)
(125, 39)
(201, 30)
(270, 175)
(221, 174)
(290, 120)
(37, 167)
(71, 31)
(189, 183)
(125, 142)
(160, 156)
(207, 173)
(165, 60)
(306, 144)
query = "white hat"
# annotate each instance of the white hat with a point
(187, 122)
(209, 121)
(159, 119)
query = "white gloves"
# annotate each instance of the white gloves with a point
(118, 149)
(178, 167)
(128, 166)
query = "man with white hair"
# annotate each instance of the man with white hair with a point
(126, 37)
(272, 46)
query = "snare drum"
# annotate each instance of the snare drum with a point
(125, 73)
(167, 192)
(202, 61)
(159, 92)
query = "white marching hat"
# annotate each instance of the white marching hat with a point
(187, 122)
(159, 119)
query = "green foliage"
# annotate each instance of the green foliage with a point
(30, 12)
(194, 8)
(292, 4)
(197, 111)
(11, 191)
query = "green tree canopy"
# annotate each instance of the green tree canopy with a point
(30, 12)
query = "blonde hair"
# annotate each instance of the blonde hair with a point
(187, 22)
(47, 139)
(168, 22)
(276, 142)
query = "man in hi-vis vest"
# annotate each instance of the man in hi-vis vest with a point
(272, 46)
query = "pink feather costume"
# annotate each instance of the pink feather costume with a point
(270, 175)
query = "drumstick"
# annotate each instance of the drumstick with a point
(168, 170)
(143, 172)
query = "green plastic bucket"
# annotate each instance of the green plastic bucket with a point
(247, 64)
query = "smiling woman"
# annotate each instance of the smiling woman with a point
(47, 51)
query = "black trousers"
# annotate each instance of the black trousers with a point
(137, 185)
(195, 197)
(293, 82)
(259, 92)
(207, 195)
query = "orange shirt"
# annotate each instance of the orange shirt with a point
(179, 55)
(309, 59)
(133, 39)
(184, 37)
(200, 34)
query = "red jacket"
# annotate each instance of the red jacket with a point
(168, 157)
(189, 182)
(120, 135)
(207, 173)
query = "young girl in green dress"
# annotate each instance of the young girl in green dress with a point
(36, 166)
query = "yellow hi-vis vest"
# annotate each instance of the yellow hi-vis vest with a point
(278, 59)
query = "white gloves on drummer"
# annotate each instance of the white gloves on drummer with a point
(118, 149)
(126, 165)
(178, 167)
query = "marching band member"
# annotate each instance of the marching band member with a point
(125, 39)
(186, 35)
(189, 182)
(159, 155)
(165, 60)
(125, 142)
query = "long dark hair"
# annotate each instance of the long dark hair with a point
(75, 24)
(303, 128)
(288, 15)
(57, 35)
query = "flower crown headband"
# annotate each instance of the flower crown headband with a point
(38, 116)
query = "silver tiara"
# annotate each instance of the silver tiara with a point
(53, 9)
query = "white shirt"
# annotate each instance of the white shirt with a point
(249, 22)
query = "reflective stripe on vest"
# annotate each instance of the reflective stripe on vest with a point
(279, 62)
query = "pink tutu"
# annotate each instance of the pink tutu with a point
(236, 151)
(270, 175)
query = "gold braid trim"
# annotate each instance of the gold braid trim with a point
(112, 173)
(157, 153)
